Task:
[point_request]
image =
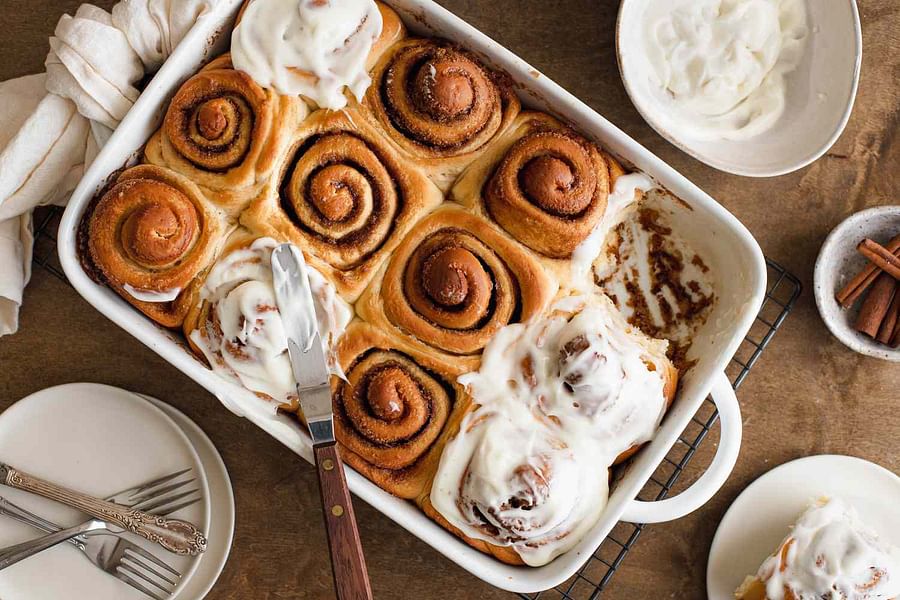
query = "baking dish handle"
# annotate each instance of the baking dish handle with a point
(709, 483)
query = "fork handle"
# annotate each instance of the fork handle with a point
(348, 565)
(13, 554)
(174, 535)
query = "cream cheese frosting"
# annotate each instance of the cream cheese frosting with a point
(251, 346)
(719, 66)
(831, 554)
(560, 399)
(312, 48)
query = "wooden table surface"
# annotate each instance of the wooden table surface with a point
(807, 395)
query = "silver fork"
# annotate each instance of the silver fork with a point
(117, 556)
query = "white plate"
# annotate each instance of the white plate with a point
(818, 103)
(760, 518)
(97, 439)
(221, 498)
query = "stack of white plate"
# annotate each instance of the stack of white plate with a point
(100, 440)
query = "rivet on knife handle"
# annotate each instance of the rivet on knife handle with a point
(174, 535)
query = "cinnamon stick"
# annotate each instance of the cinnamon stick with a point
(875, 306)
(848, 295)
(895, 341)
(881, 257)
(889, 324)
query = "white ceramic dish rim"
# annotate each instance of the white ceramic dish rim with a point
(788, 167)
(425, 14)
(824, 295)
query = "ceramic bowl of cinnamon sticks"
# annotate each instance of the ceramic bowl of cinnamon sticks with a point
(857, 282)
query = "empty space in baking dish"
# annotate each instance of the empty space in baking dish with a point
(724, 244)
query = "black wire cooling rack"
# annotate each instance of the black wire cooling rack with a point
(594, 576)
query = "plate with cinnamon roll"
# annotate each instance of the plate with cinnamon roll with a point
(816, 527)
(521, 308)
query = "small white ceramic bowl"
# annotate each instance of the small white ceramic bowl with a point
(838, 262)
(820, 95)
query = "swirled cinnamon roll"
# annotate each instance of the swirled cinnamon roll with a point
(439, 104)
(236, 326)
(225, 133)
(317, 50)
(151, 235)
(584, 368)
(454, 282)
(544, 184)
(585, 390)
(345, 198)
(391, 414)
(830, 553)
(513, 488)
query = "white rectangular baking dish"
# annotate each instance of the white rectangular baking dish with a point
(726, 245)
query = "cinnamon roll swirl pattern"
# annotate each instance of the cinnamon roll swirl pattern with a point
(439, 104)
(454, 282)
(344, 198)
(543, 183)
(391, 414)
(524, 503)
(225, 132)
(237, 326)
(150, 236)
(586, 390)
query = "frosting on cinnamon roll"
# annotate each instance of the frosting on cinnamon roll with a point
(314, 48)
(239, 329)
(584, 368)
(561, 399)
(830, 553)
(150, 235)
(508, 479)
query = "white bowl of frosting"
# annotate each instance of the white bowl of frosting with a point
(752, 87)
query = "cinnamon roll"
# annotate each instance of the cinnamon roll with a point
(151, 235)
(543, 183)
(524, 503)
(439, 104)
(237, 328)
(585, 390)
(225, 133)
(830, 553)
(391, 413)
(317, 50)
(585, 369)
(454, 282)
(344, 197)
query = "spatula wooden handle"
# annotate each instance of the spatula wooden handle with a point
(351, 580)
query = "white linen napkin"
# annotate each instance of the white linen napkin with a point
(52, 124)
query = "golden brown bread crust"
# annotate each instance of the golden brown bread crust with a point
(225, 133)
(155, 231)
(453, 282)
(542, 183)
(393, 415)
(438, 104)
(344, 197)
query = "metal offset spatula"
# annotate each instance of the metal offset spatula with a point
(295, 303)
